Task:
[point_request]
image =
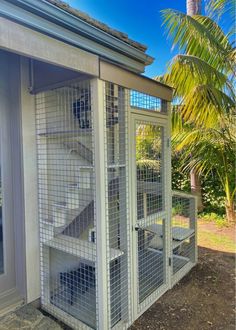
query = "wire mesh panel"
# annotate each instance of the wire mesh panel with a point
(183, 231)
(149, 169)
(73, 288)
(117, 202)
(147, 102)
(66, 182)
(150, 202)
(151, 265)
(67, 213)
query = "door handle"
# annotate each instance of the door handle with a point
(137, 228)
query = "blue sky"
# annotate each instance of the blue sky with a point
(141, 20)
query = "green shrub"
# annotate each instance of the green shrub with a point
(148, 170)
(177, 209)
(212, 192)
(219, 220)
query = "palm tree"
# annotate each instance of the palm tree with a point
(208, 150)
(203, 80)
(194, 7)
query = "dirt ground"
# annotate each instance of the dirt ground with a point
(205, 298)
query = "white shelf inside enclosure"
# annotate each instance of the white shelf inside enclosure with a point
(148, 221)
(179, 236)
(116, 165)
(69, 133)
(86, 167)
(76, 209)
(176, 257)
(181, 233)
(79, 248)
(157, 245)
(176, 244)
(149, 187)
(178, 233)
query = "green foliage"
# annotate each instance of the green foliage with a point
(177, 209)
(180, 179)
(148, 141)
(213, 194)
(148, 152)
(148, 169)
(204, 121)
(217, 8)
(211, 152)
(219, 220)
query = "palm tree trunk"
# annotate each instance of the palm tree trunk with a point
(229, 201)
(196, 188)
(194, 7)
(230, 212)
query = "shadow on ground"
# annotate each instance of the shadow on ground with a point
(203, 299)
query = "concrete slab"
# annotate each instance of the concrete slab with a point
(27, 318)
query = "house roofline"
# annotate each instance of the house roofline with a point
(29, 12)
(98, 24)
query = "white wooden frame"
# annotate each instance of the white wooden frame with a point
(21, 40)
(102, 254)
(175, 278)
(98, 88)
(164, 121)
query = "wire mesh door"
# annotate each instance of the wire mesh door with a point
(149, 210)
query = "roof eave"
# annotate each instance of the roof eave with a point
(60, 17)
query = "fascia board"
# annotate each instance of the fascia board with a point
(70, 22)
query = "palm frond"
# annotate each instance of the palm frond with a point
(219, 7)
(206, 105)
(191, 36)
(176, 121)
(222, 38)
(185, 71)
(215, 31)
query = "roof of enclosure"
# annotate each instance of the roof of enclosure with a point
(104, 27)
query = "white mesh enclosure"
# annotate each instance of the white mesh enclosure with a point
(66, 183)
(116, 143)
(139, 247)
(150, 204)
(183, 226)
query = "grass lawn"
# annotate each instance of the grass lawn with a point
(215, 238)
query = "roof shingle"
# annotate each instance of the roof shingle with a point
(104, 27)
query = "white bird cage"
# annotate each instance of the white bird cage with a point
(108, 246)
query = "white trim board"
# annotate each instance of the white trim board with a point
(125, 78)
(27, 42)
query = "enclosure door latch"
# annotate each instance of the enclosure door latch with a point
(137, 227)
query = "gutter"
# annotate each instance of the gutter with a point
(29, 12)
